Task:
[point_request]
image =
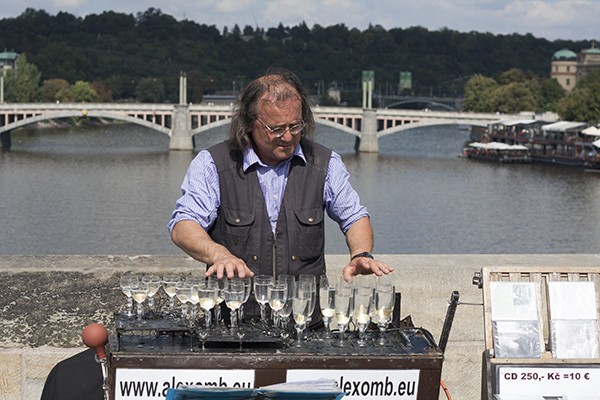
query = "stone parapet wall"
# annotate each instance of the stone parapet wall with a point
(45, 301)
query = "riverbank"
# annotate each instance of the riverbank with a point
(47, 300)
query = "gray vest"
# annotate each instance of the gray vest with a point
(242, 225)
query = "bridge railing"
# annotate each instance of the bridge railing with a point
(181, 122)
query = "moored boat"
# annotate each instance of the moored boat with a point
(566, 143)
(498, 152)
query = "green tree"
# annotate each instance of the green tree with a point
(583, 103)
(150, 90)
(513, 98)
(513, 75)
(552, 92)
(103, 94)
(83, 92)
(478, 91)
(22, 83)
(51, 89)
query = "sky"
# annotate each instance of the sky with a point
(549, 19)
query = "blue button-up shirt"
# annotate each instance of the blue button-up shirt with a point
(200, 200)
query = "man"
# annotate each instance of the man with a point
(255, 204)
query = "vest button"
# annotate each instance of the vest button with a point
(293, 258)
(237, 220)
(254, 258)
(311, 219)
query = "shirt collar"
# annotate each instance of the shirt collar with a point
(251, 158)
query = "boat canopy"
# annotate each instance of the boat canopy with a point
(563, 126)
(520, 122)
(591, 131)
(497, 146)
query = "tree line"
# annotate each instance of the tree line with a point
(121, 57)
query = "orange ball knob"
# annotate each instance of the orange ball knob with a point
(95, 336)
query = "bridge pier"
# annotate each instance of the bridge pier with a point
(181, 130)
(367, 142)
(5, 140)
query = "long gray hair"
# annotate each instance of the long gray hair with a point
(282, 84)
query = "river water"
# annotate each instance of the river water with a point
(111, 190)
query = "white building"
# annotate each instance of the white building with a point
(568, 68)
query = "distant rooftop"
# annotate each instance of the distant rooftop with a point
(8, 56)
(565, 54)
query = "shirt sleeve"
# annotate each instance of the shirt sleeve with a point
(342, 202)
(200, 193)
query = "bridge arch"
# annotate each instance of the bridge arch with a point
(338, 126)
(210, 126)
(431, 103)
(83, 114)
(427, 123)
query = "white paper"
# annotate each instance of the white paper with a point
(572, 300)
(511, 301)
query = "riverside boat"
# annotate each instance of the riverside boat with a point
(497, 152)
(574, 144)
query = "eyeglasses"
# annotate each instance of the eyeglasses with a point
(279, 131)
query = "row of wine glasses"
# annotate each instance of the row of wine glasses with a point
(138, 290)
(368, 299)
(285, 295)
(191, 291)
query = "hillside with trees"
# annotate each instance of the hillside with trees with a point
(122, 57)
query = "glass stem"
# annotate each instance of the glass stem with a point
(381, 335)
(207, 319)
(150, 303)
(263, 314)
(129, 306)
(299, 330)
(327, 333)
(233, 316)
(342, 334)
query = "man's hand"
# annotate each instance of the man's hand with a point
(230, 266)
(365, 266)
(194, 240)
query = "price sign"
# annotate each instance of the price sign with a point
(548, 381)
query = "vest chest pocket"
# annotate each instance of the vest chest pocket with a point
(236, 231)
(237, 223)
(310, 233)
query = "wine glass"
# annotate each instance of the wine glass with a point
(343, 308)
(363, 299)
(384, 306)
(139, 293)
(194, 299)
(183, 292)
(247, 291)
(311, 281)
(207, 295)
(277, 293)
(153, 283)
(233, 295)
(261, 294)
(286, 310)
(301, 309)
(219, 284)
(327, 302)
(126, 282)
(169, 285)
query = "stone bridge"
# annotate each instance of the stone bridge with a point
(182, 121)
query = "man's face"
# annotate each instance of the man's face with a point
(270, 149)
